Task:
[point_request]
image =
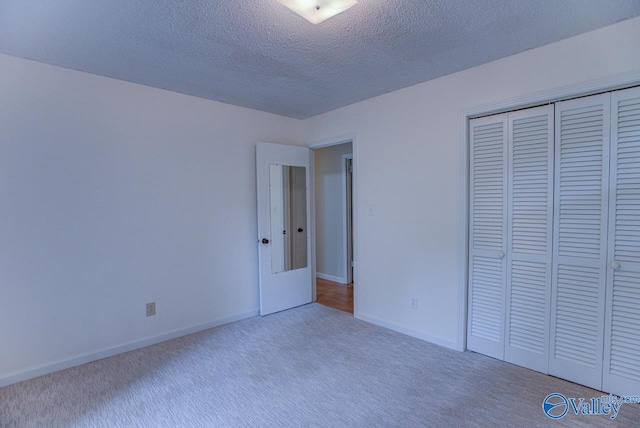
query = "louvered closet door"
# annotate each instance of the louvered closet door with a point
(580, 239)
(488, 231)
(530, 210)
(622, 333)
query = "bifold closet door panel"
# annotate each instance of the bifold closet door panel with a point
(580, 239)
(622, 333)
(487, 231)
(529, 238)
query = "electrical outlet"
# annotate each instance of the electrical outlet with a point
(414, 303)
(151, 309)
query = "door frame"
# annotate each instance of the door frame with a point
(347, 214)
(354, 197)
(606, 84)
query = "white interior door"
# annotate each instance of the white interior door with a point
(580, 239)
(284, 222)
(622, 338)
(529, 243)
(487, 230)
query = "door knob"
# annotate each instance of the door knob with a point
(265, 241)
(615, 265)
(300, 229)
(502, 254)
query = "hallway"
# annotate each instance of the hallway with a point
(335, 295)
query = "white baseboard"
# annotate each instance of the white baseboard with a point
(44, 369)
(447, 344)
(331, 278)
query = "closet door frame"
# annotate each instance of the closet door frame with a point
(582, 89)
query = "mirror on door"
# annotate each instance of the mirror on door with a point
(288, 199)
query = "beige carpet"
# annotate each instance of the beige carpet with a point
(306, 367)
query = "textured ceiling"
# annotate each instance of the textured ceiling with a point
(259, 54)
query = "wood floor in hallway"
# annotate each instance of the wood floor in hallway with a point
(335, 295)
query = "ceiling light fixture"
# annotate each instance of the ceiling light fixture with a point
(316, 11)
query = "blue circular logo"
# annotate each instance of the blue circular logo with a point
(555, 405)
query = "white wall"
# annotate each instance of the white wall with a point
(113, 195)
(410, 168)
(330, 227)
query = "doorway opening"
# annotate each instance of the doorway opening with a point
(334, 237)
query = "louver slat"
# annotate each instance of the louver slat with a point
(527, 306)
(625, 343)
(486, 298)
(488, 190)
(627, 181)
(530, 165)
(580, 169)
(488, 236)
(622, 340)
(577, 305)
